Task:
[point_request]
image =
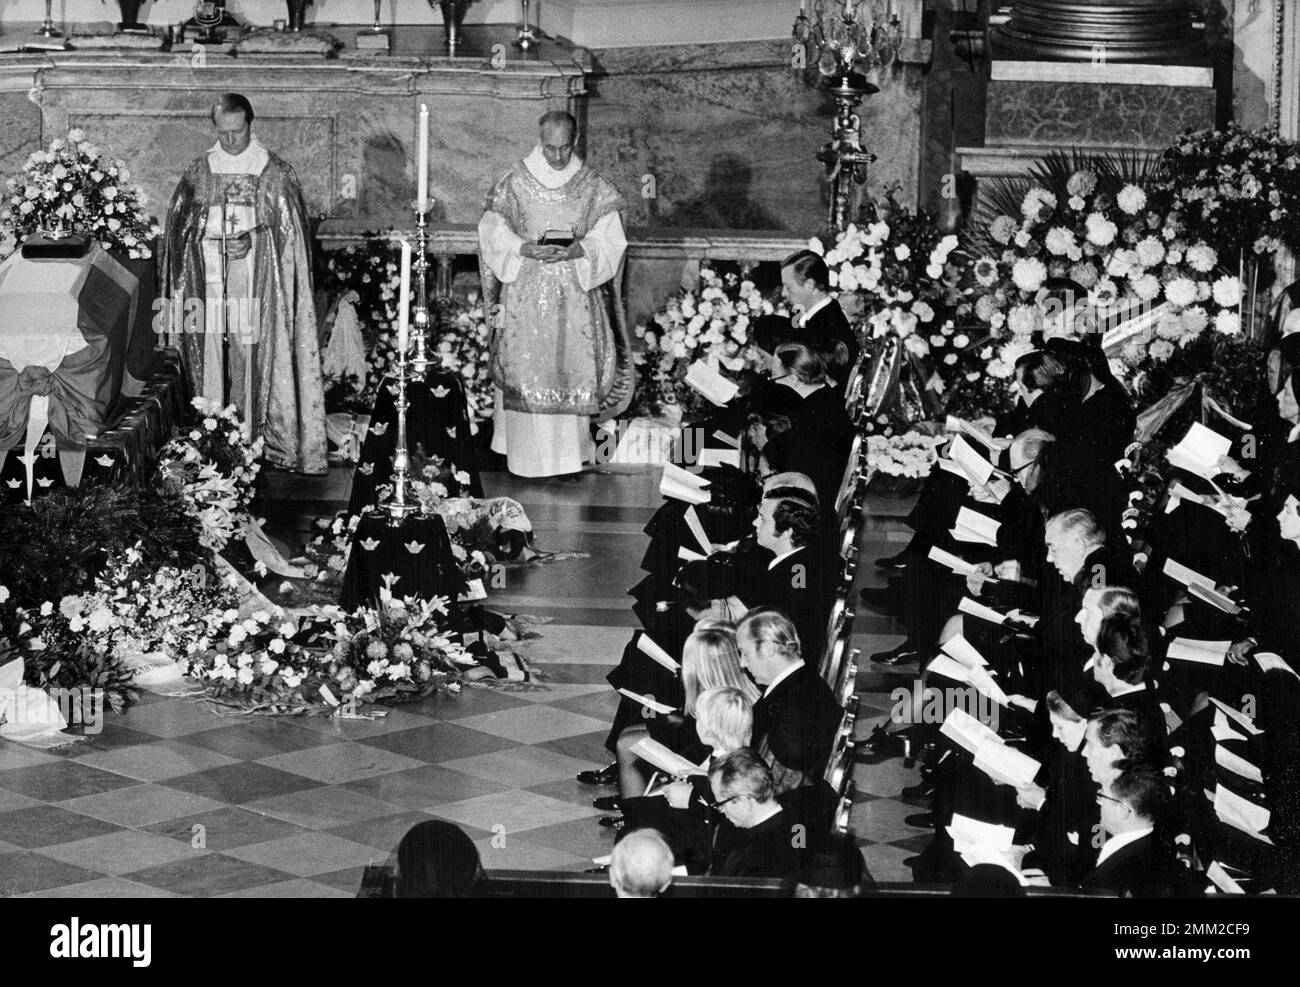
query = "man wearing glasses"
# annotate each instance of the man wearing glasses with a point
(1133, 862)
(757, 838)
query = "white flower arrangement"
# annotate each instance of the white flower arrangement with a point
(215, 465)
(909, 454)
(462, 348)
(1122, 246)
(712, 323)
(75, 187)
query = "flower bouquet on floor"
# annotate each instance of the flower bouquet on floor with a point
(398, 651)
(214, 466)
(332, 663)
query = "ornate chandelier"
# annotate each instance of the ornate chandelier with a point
(845, 41)
(855, 36)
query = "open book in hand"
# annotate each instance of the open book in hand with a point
(976, 467)
(1200, 587)
(1200, 451)
(1006, 765)
(680, 484)
(957, 564)
(967, 732)
(648, 647)
(972, 526)
(710, 383)
(1202, 652)
(648, 702)
(963, 427)
(665, 760)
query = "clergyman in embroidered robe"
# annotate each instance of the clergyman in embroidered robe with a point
(235, 271)
(561, 353)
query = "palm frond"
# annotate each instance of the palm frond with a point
(1130, 167)
(1114, 169)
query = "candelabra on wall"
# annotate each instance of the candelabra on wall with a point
(846, 41)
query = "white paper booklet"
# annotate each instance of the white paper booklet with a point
(710, 383)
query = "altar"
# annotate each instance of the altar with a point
(346, 124)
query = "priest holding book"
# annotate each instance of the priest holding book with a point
(551, 245)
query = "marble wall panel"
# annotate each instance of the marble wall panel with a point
(727, 133)
(348, 130)
(157, 148)
(1094, 114)
(20, 129)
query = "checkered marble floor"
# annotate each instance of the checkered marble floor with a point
(174, 800)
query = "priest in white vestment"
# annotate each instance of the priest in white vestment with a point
(551, 243)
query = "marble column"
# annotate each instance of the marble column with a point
(1147, 31)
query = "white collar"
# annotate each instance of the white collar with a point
(809, 313)
(539, 168)
(784, 674)
(784, 555)
(1093, 388)
(250, 161)
(1140, 687)
(1117, 843)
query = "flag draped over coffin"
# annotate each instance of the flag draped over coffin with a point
(62, 326)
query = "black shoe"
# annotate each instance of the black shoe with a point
(893, 562)
(921, 820)
(608, 803)
(904, 654)
(924, 791)
(605, 776)
(612, 822)
(884, 599)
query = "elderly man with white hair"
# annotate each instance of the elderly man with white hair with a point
(642, 865)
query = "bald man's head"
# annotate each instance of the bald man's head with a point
(642, 865)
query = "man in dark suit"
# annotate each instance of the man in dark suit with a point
(1121, 665)
(1133, 862)
(796, 717)
(796, 580)
(1077, 546)
(821, 325)
(757, 838)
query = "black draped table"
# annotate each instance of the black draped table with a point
(412, 559)
(437, 424)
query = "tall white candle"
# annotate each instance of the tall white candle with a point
(404, 299)
(422, 180)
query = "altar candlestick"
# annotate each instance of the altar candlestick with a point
(422, 181)
(404, 301)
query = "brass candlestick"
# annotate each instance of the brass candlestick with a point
(420, 317)
(48, 30)
(400, 503)
(527, 39)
